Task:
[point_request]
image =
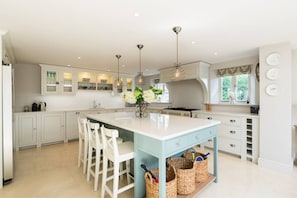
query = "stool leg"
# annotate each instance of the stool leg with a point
(128, 171)
(104, 176)
(85, 156)
(79, 151)
(89, 163)
(97, 169)
(116, 171)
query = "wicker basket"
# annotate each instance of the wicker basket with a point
(201, 167)
(152, 188)
(185, 175)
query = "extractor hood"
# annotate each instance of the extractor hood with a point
(197, 70)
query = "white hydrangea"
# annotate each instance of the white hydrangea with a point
(128, 97)
(148, 96)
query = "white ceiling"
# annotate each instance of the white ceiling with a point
(59, 31)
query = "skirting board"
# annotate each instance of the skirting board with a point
(273, 165)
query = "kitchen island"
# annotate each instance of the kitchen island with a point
(158, 137)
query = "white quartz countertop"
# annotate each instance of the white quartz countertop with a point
(158, 126)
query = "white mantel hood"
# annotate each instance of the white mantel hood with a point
(197, 70)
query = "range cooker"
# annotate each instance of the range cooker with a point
(181, 111)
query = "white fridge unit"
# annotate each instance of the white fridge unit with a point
(7, 83)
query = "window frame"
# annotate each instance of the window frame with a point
(234, 85)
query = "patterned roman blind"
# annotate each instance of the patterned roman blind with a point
(233, 71)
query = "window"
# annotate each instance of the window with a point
(165, 93)
(236, 86)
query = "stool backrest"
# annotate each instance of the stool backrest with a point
(94, 136)
(109, 140)
(82, 128)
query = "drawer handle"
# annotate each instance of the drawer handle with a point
(232, 121)
(232, 145)
(232, 132)
(209, 140)
(209, 118)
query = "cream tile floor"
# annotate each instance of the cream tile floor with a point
(52, 171)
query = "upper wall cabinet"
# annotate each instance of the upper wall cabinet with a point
(56, 80)
(87, 81)
(63, 80)
(105, 82)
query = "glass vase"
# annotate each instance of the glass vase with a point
(141, 110)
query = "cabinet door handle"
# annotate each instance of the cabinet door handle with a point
(209, 118)
(232, 132)
(232, 145)
(232, 121)
(57, 83)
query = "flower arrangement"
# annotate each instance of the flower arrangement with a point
(139, 96)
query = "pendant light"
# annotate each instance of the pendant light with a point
(140, 78)
(178, 70)
(119, 83)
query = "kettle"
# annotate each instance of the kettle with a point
(42, 106)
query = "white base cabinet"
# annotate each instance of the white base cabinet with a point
(26, 130)
(32, 129)
(237, 134)
(53, 127)
(72, 125)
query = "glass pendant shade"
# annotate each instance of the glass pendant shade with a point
(178, 69)
(119, 81)
(140, 77)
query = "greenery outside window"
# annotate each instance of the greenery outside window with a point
(235, 86)
(234, 83)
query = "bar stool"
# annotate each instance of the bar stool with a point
(82, 143)
(117, 153)
(94, 146)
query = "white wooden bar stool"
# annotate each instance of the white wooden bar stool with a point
(117, 153)
(82, 143)
(95, 147)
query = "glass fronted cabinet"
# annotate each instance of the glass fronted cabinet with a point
(129, 82)
(56, 81)
(105, 82)
(87, 81)
(67, 82)
(51, 81)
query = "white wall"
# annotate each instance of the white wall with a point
(275, 118)
(28, 90)
(214, 81)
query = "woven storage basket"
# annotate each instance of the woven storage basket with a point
(185, 175)
(201, 167)
(152, 188)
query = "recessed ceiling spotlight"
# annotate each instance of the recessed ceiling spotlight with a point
(123, 65)
(68, 65)
(215, 53)
(136, 14)
(78, 57)
(193, 42)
